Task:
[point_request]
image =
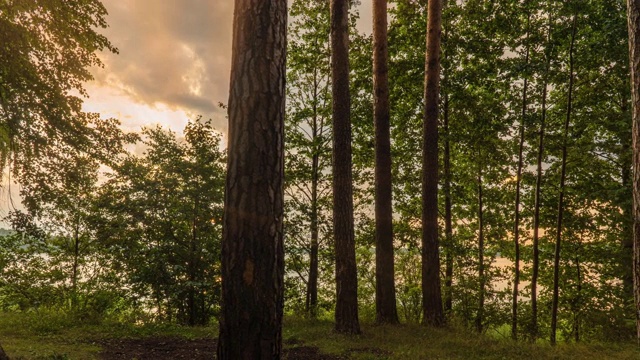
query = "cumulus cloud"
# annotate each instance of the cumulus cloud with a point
(174, 54)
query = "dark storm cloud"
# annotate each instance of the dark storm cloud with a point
(175, 52)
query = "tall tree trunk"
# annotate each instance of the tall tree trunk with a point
(312, 284)
(431, 293)
(346, 271)
(386, 311)
(252, 247)
(481, 277)
(448, 218)
(538, 192)
(563, 174)
(633, 19)
(516, 226)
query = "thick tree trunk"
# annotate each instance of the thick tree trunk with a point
(516, 226)
(563, 174)
(448, 217)
(252, 247)
(481, 269)
(431, 292)
(346, 271)
(633, 18)
(386, 311)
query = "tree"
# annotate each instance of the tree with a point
(160, 215)
(516, 226)
(633, 20)
(48, 48)
(431, 297)
(308, 154)
(556, 262)
(346, 271)
(252, 243)
(385, 280)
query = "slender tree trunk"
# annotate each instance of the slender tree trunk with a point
(448, 218)
(563, 174)
(481, 289)
(386, 311)
(538, 193)
(76, 258)
(516, 226)
(346, 270)
(431, 293)
(633, 19)
(252, 247)
(312, 284)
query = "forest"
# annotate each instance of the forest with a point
(459, 183)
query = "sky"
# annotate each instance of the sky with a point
(173, 64)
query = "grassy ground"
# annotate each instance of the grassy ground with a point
(55, 337)
(418, 342)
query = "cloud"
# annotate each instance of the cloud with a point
(174, 54)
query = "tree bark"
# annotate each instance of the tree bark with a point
(386, 311)
(252, 247)
(346, 270)
(431, 292)
(563, 174)
(633, 19)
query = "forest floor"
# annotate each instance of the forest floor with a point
(55, 337)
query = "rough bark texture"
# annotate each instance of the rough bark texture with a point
(431, 293)
(252, 248)
(633, 18)
(386, 311)
(563, 175)
(346, 271)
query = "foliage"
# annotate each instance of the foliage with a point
(161, 216)
(48, 48)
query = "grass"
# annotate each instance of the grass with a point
(56, 336)
(53, 336)
(417, 342)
